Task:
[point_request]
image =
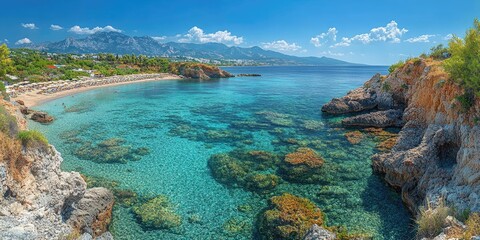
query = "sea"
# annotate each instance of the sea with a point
(156, 138)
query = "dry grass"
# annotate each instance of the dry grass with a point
(11, 155)
(473, 226)
(430, 219)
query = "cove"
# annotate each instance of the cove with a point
(179, 125)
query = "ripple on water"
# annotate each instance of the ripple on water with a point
(182, 124)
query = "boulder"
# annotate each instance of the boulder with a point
(92, 214)
(41, 117)
(379, 119)
(319, 233)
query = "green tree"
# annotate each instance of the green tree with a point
(5, 61)
(439, 52)
(464, 64)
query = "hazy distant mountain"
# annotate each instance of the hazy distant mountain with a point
(118, 43)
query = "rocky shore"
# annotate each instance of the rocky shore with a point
(436, 157)
(37, 199)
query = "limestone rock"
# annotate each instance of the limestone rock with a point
(92, 214)
(41, 117)
(380, 119)
(318, 233)
(357, 100)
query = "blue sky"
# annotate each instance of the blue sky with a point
(371, 32)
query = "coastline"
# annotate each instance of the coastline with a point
(32, 99)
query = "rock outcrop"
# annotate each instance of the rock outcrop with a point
(379, 119)
(38, 200)
(41, 117)
(437, 154)
(200, 71)
(319, 233)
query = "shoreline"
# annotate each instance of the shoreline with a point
(32, 99)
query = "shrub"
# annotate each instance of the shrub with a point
(464, 64)
(3, 91)
(386, 87)
(439, 52)
(466, 100)
(395, 66)
(32, 137)
(8, 123)
(431, 218)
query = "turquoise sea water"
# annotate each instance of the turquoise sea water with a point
(182, 123)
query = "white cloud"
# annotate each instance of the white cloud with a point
(420, 39)
(196, 34)
(29, 25)
(322, 38)
(391, 33)
(448, 37)
(55, 27)
(158, 39)
(79, 30)
(281, 45)
(335, 54)
(5, 40)
(23, 41)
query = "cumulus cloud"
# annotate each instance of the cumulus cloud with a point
(420, 39)
(55, 27)
(281, 45)
(448, 37)
(322, 38)
(87, 31)
(23, 41)
(29, 25)
(196, 34)
(391, 33)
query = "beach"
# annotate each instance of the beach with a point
(33, 98)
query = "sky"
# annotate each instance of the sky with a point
(367, 31)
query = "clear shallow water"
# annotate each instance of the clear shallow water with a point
(183, 123)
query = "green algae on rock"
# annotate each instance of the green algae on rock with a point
(111, 150)
(235, 226)
(288, 217)
(245, 169)
(157, 213)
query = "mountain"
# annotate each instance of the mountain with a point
(118, 43)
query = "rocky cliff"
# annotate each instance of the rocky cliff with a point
(437, 154)
(37, 199)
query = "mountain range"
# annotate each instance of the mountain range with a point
(118, 43)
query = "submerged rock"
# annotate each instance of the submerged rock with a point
(288, 217)
(157, 213)
(245, 169)
(319, 233)
(111, 150)
(354, 137)
(303, 165)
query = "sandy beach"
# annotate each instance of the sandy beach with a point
(32, 99)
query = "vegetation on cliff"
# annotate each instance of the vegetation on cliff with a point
(464, 64)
